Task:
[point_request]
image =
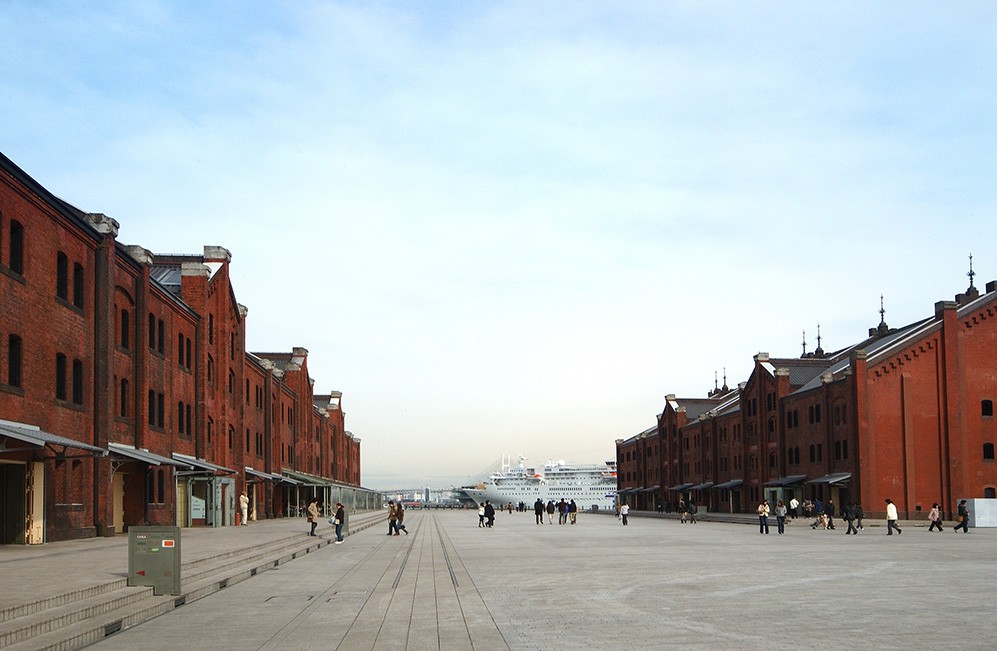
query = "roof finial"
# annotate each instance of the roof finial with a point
(820, 351)
(725, 380)
(804, 343)
(971, 272)
(883, 328)
(714, 380)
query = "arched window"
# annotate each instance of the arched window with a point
(989, 492)
(14, 361)
(152, 408)
(62, 276)
(60, 376)
(16, 260)
(161, 341)
(180, 418)
(78, 285)
(77, 382)
(152, 330)
(126, 328)
(123, 412)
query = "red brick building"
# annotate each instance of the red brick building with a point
(905, 414)
(127, 395)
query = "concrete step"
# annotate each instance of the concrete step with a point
(83, 616)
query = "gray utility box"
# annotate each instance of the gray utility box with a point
(154, 558)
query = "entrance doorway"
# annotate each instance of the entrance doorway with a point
(12, 502)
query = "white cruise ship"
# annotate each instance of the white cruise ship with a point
(592, 486)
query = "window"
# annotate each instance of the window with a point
(16, 260)
(123, 411)
(152, 408)
(813, 454)
(820, 452)
(160, 410)
(78, 285)
(190, 422)
(231, 437)
(152, 331)
(210, 428)
(180, 350)
(211, 328)
(988, 451)
(989, 492)
(60, 376)
(187, 350)
(231, 383)
(248, 441)
(77, 382)
(62, 276)
(231, 346)
(987, 407)
(13, 361)
(126, 334)
(211, 369)
(161, 339)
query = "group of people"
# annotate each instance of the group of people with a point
(566, 511)
(338, 519)
(396, 518)
(852, 514)
(486, 514)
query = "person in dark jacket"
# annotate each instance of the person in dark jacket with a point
(963, 518)
(338, 520)
(550, 511)
(849, 515)
(489, 513)
(538, 510)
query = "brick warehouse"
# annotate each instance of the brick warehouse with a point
(127, 395)
(905, 414)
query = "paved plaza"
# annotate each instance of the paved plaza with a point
(652, 584)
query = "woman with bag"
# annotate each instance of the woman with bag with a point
(313, 515)
(338, 520)
(935, 518)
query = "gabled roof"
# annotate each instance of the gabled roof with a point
(801, 370)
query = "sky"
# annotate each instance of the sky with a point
(514, 227)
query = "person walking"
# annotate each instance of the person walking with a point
(572, 511)
(550, 511)
(891, 518)
(794, 505)
(963, 518)
(935, 518)
(481, 515)
(859, 514)
(392, 518)
(780, 517)
(244, 507)
(489, 514)
(693, 510)
(399, 519)
(682, 511)
(313, 515)
(848, 513)
(763, 517)
(538, 510)
(624, 510)
(338, 519)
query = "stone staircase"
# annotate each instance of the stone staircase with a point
(83, 616)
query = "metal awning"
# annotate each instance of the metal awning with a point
(305, 479)
(144, 456)
(653, 489)
(833, 478)
(703, 486)
(681, 487)
(40, 438)
(727, 485)
(626, 491)
(788, 480)
(265, 476)
(202, 464)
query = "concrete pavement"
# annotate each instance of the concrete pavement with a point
(650, 585)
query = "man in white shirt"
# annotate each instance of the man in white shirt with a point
(891, 518)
